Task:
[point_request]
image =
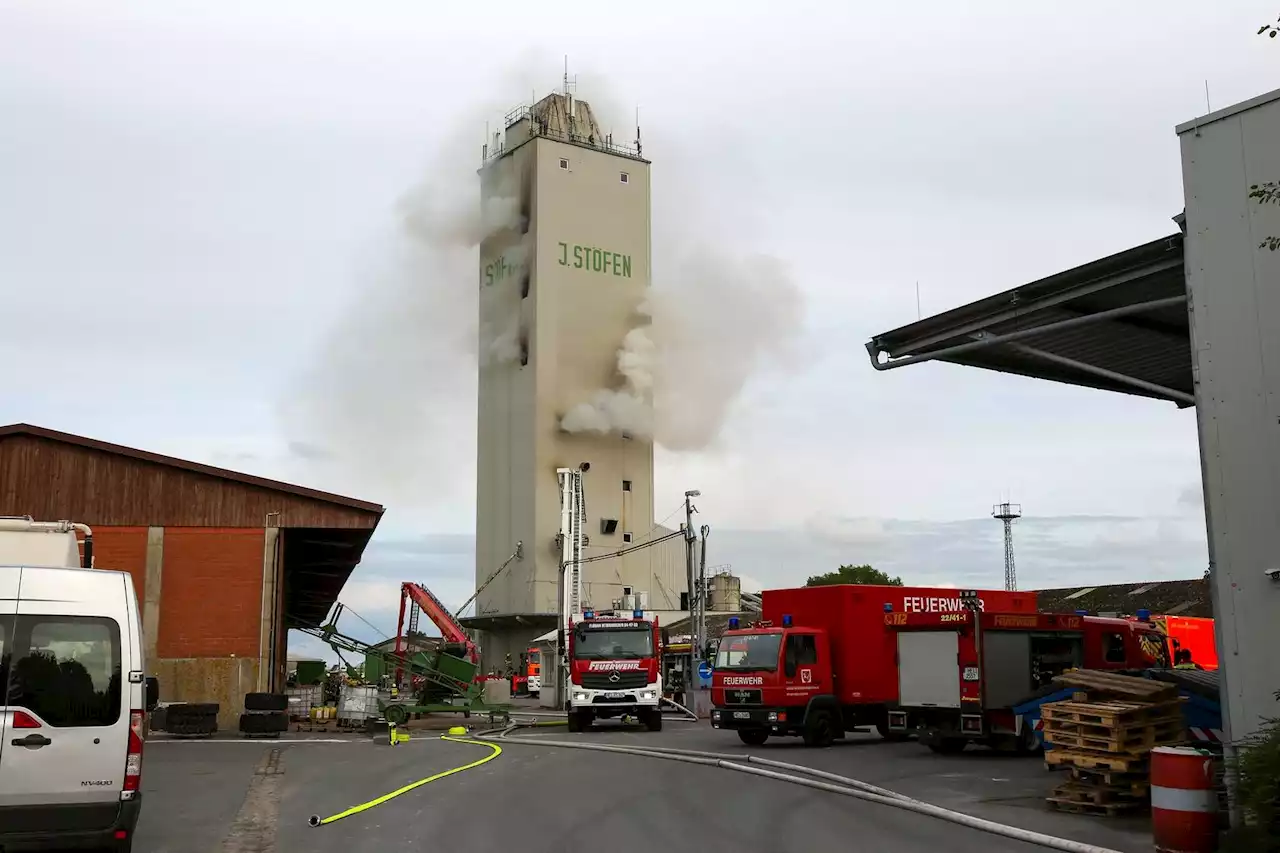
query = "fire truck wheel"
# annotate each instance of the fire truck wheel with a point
(948, 745)
(1028, 743)
(753, 737)
(818, 729)
(653, 720)
(575, 722)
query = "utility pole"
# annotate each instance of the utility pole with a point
(689, 539)
(704, 595)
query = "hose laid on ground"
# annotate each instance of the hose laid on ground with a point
(678, 706)
(316, 820)
(837, 785)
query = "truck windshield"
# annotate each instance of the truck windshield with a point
(749, 651)
(613, 644)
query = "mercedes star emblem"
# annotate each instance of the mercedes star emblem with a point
(615, 678)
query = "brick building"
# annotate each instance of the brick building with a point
(224, 563)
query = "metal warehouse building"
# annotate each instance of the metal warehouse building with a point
(223, 563)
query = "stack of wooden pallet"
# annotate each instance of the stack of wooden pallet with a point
(1104, 736)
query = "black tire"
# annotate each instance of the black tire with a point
(396, 714)
(819, 730)
(753, 737)
(585, 720)
(575, 722)
(948, 745)
(653, 720)
(1028, 743)
(192, 725)
(266, 702)
(264, 723)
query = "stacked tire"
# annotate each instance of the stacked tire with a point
(188, 718)
(265, 715)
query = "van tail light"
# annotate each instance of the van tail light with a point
(133, 763)
(23, 720)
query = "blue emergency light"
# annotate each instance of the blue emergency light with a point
(1082, 612)
(733, 623)
(639, 614)
(888, 608)
(1144, 615)
(786, 620)
(588, 614)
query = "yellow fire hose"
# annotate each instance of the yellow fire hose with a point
(316, 820)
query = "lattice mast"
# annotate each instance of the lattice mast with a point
(1008, 513)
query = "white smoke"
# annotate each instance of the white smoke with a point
(391, 396)
(712, 323)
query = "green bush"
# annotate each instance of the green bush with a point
(1257, 771)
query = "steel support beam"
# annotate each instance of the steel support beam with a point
(1165, 391)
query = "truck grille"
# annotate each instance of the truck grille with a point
(741, 697)
(603, 680)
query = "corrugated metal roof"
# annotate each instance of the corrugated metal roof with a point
(1125, 313)
(1167, 598)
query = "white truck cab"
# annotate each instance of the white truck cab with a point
(73, 694)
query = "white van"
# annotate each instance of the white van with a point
(73, 702)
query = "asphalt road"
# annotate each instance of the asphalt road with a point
(242, 796)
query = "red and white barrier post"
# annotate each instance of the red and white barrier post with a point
(1184, 802)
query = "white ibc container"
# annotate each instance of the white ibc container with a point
(358, 703)
(497, 691)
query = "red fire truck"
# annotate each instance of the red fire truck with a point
(823, 660)
(962, 675)
(614, 669)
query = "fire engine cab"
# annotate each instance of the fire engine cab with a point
(614, 669)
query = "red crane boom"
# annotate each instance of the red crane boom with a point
(425, 600)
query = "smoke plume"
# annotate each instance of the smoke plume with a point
(388, 407)
(711, 323)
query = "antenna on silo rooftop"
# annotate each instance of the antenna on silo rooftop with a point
(570, 84)
(1008, 513)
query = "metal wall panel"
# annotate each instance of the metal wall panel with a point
(1234, 289)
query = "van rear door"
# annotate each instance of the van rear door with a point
(10, 577)
(63, 764)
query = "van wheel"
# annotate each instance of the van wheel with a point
(753, 737)
(818, 729)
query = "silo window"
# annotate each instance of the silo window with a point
(624, 177)
(626, 485)
(626, 537)
(564, 164)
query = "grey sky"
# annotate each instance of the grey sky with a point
(193, 196)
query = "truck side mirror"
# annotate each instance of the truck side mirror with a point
(153, 693)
